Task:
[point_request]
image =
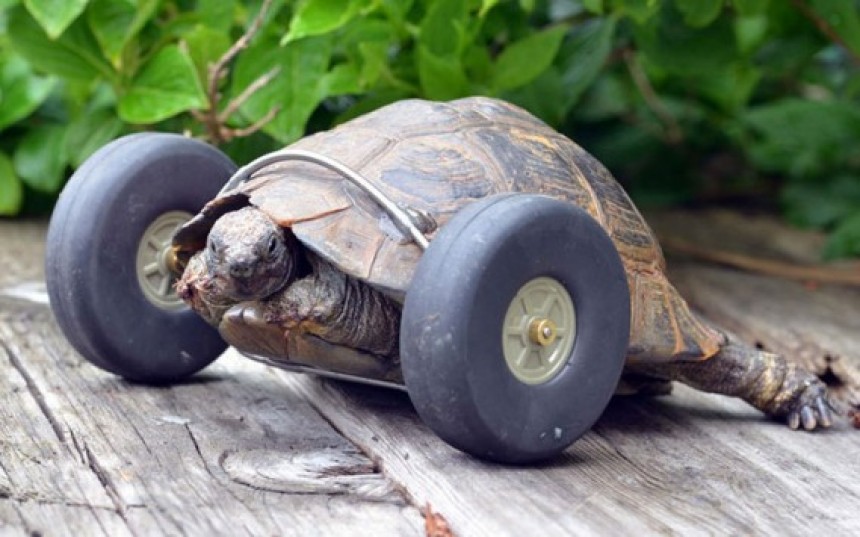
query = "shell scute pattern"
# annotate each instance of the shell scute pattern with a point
(439, 157)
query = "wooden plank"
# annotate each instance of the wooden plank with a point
(156, 456)
(81, 449)
(38, 518)
(685, 464)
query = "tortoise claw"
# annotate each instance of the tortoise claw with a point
(807, 417)
(794, 420)
(811, 409)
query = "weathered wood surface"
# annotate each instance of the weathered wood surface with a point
(82, 452)
(245, 449)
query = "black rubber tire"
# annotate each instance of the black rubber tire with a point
(91, 253)
(451, 332)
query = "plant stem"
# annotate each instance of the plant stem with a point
(825, 28)
(674, 134)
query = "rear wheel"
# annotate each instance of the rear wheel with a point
(107, 262)
(515, 328)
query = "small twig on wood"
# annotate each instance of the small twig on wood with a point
(674, 134)
(825, 28)
(770, 267)
(215, 122)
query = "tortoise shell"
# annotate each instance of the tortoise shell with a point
(436, 158)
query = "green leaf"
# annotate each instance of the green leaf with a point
(845, 239)
(606, 98)
(40, 158)
(639, 10)
(341, 80)
(730, 88)
(297, 90)
(582, 57)
(441, 78)
(216, 14)
(821, 205)
(75, 55)
(751, 8)
(374, 61)
(396, 10)
(205, 47)
(441, 31)
(487, 5)
(522, 61)
(843, 17)
(317, 17)
(594, 6)
(699, 13)
(55, 15)
(167, 85)
(676, 48)
(21, 91)
(528, 5)
(89, 132)
(115, 22)
(803, 138)
(750, 32)
(545, 97)
(11, 193)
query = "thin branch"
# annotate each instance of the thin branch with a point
(825, 28)
(254, 127)
(770, 267)
(214, 122)
(246, 94)
(674, 134)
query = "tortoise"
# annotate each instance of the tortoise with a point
(469, 252)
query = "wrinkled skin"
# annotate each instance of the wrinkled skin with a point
(255, 280)
(254, 273)
(249, 255)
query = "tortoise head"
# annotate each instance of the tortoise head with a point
(250, 254)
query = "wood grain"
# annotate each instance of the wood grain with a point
(153, 459)
(685, 464)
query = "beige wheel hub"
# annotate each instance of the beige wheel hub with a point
(539, 331)
(155, 259)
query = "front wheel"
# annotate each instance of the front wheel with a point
(515, 328)
(107, 269)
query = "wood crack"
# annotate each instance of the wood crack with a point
(24, 499)
(104, 478)
(396, 486)
(37, 395)
(66, 437)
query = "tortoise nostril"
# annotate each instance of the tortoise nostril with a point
(241, 269)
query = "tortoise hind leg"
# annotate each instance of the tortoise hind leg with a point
(767, 381)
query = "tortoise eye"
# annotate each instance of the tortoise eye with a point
(273, 245)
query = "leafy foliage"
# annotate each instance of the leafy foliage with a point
(682, 99)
